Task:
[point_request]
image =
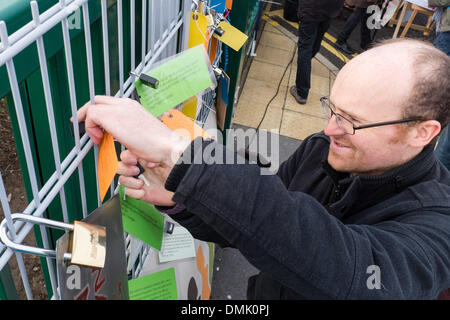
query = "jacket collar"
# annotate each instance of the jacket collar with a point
(363, 190)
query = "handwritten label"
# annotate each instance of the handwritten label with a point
(142, 220)
(176, 246)
(179, 79)
(161, 285)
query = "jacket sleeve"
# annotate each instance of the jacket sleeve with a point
(438, 3)
(292, 237)
(203, 231)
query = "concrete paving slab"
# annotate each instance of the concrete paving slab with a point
(273, 55)
(299, 125)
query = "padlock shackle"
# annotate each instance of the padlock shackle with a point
(34, 220)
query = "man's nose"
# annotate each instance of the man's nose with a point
(332, 128)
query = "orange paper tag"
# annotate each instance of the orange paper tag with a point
(184, 125)
(107, 164)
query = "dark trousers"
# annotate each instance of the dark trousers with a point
(360, 15)
(310, 37)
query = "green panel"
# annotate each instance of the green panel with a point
(18, 139)
(7, 289)
(17, 13)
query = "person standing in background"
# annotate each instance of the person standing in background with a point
(314, 20)
(359, 15)
(442, 42)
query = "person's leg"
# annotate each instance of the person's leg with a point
(442, 150)
(366, 37)
(350, 25)
(306, 39)
(321, 29)
(442, 42)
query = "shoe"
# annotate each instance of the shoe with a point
(293, 91)
(344, 47)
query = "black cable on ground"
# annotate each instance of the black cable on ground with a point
(263, 162)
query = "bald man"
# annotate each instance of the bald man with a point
(359, 211)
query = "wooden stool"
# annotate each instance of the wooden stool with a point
(415, 10)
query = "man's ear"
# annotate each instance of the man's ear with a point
(424, 132)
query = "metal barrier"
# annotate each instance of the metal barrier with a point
(153, 29)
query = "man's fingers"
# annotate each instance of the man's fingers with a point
(131, 182)
(93, 120)
(127, 170)
(128, 158)
(106, 100)
(135, 193)
(81, 113)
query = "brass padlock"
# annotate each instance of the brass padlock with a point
(88, 245)
(87, 241)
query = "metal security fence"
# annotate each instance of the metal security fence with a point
(67, 52)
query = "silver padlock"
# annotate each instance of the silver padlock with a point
(87, 241)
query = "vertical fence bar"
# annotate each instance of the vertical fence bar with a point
(90, 68)
(144, 32)
(12, 230)
(106, 47)
(133, 33)
(186, 14)
(158, 24)
(54, 138)
(106, 60)
(175, 6)
(150, 27)
(73, 104)
(49, 105)
(120, 47)
(163, 29)
(120, 44)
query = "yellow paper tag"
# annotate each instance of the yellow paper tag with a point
(197, 29)
(231, 36)
(190, 107)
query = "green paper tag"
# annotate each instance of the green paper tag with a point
(142, 220)
(179, 79)
(161, 285)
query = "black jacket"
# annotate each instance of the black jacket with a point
(319, 234)
(318, 10)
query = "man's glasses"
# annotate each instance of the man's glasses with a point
(347, 126)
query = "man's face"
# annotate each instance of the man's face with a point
(368, 91)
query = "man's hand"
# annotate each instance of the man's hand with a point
(133, 126)
(156, 174)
